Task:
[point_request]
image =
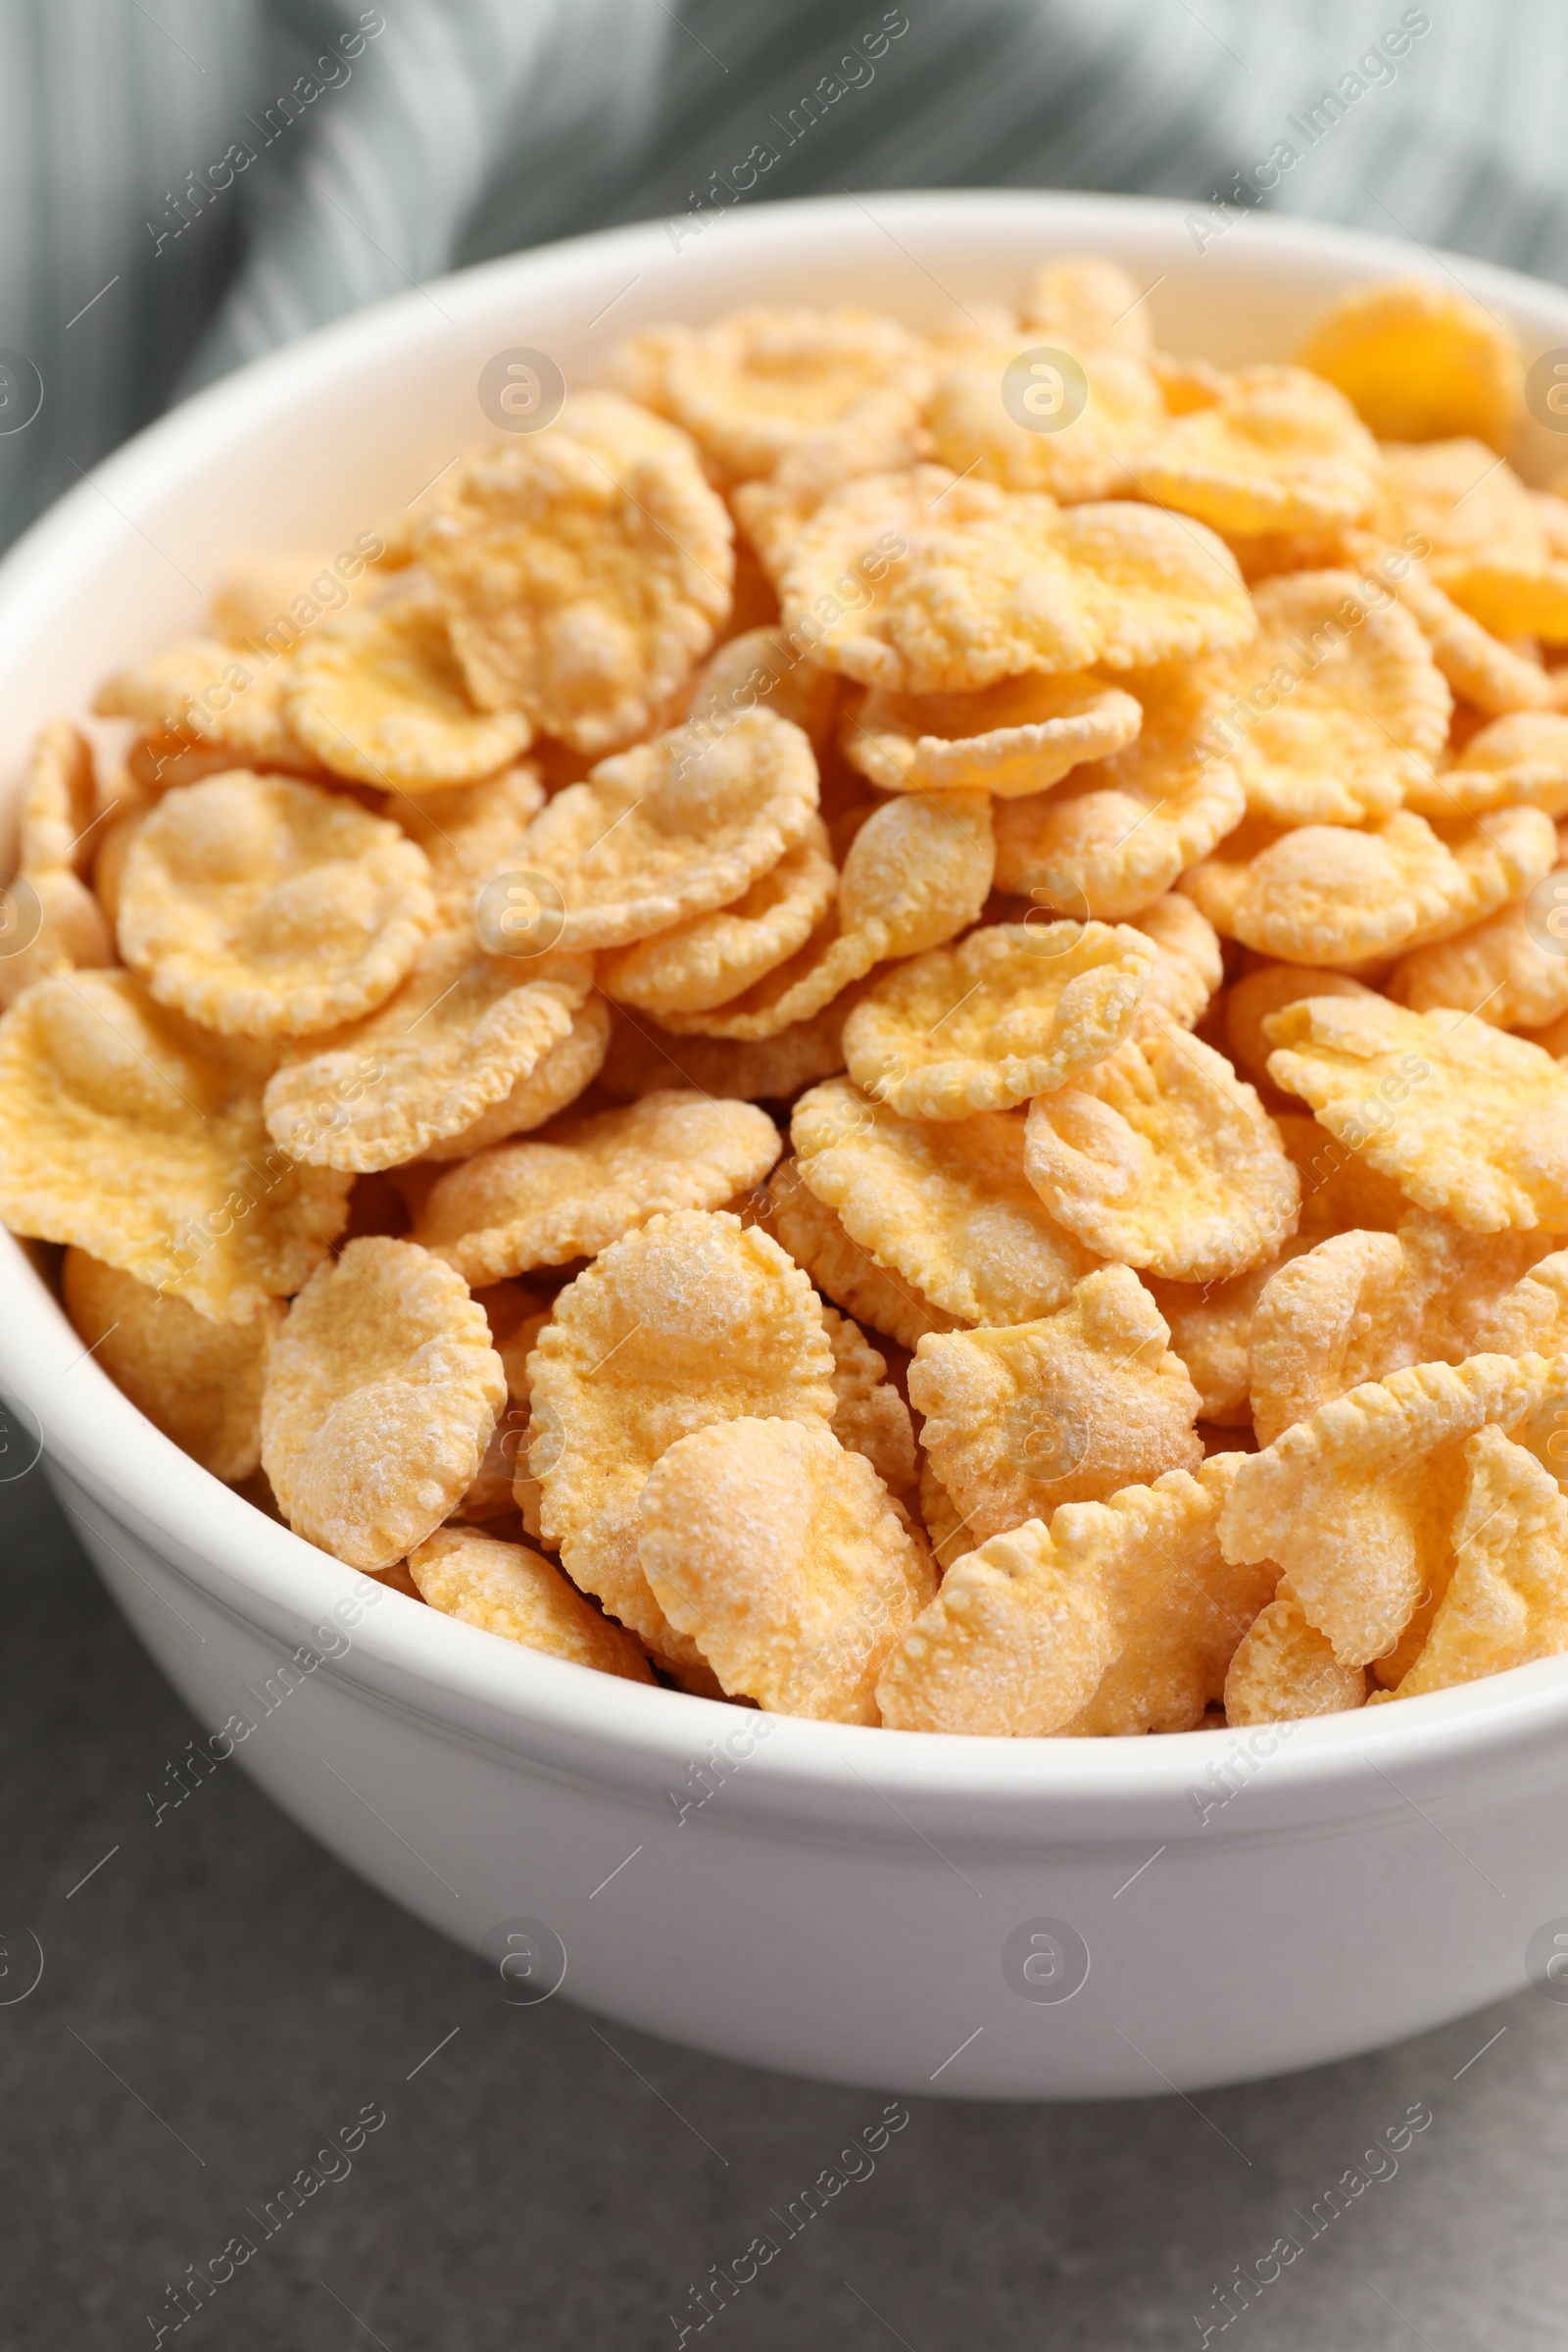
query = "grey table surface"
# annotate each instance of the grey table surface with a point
(218, 1997)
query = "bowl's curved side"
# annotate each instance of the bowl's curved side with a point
(839, 1894)
(923, 1960)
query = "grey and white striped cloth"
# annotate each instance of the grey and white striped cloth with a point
(189, 182)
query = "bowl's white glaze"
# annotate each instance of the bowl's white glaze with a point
(848, 1903)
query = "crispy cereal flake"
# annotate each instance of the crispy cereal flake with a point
(1335, 895)
(750, 389)
(674, 829)
(1507, 1599)
(139, 1140)
(844, 1270)
(1011, 1012)
(1467, 1121)
(1357, 1503)
(1285, 1669)
(710, 959)
(264, 908)
(965, 584)
(1419, 361)
(1064, 1409)
(1115, 1617)
(506, 1589)
(782, 1557)
(943, 1203)
(452, 1043)
(382, 1392)
(1279, 449)
(1019, 736)
(919, 870)
(544, 1203)
(689, 1321)
(584, 570)
(1115, 837)
(377, 695)
(1161, 1158)
(197, 1381)
(870, 1416)
(1362, 717)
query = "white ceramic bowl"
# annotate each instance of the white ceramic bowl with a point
(860, 1905)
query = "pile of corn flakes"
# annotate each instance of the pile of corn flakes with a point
(872, 1029)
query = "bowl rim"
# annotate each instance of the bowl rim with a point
(473, 1684)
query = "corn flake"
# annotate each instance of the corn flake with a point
(1507, 1599)
(709, 959)
(870, 1416)
(1481, 669)
(1188, 965)
(674, 829)
(584, 568)
(1519, 758)
(1115, 836)
(1468, 1121)
(1420, 362)
(782, 1557)
(204, 692)
(506, 1589)
(377, 695)
(945, 1204)
(381, 1392)
(882, 433)
(1064, 1409)
(261, 906)
(1089, 298)
(978, 434)
(1012, 1011)
(688, 1321)
(761, 667)
(1353, 731)
(1361, 1306)
(1269, 989)
(752, 387)
(1018, 737)
(197, 1381)
(1507, 970)
(957, 584)
(1285, 1669)
(1278, 450)
(137, 1139)
(448, 1046)
(469, 833)
(545, 1202)
(1357, 1503)
(919, 870)
(1160, 1156)
(555, 1080)
(1119, 1617)
(814, 1235)
(1336, 895)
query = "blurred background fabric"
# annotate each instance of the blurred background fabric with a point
(188, 183)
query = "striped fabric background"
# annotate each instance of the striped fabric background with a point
(386, 144)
